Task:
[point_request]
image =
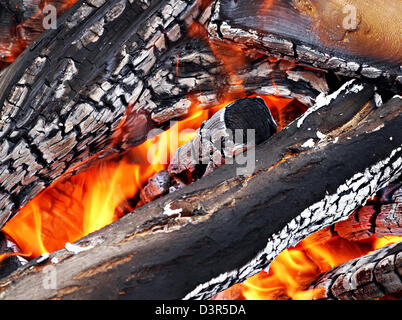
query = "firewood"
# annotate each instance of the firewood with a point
(358, 226)
(397, 196)
(329, 34)
(225, 227)
(366, 278)
(223, 136)
(9, 261)
(389, 220)
(111, 72)
(218, 140)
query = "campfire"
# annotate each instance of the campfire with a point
(200, 150)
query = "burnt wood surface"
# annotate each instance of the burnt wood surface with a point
(225, 227)
(214, 144)
(367, 278)
(357, 38)
(112, 71)
(217, 142)
(21, 22)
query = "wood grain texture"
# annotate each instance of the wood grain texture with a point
(319, 32)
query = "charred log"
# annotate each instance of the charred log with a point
(9, 259)
(223, 136)
(326, 34)
(370, 277)
(382, 217)
(219, 139)
(224, 228)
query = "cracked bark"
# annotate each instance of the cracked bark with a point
(112, 71)
(370, 277)
(231, 226)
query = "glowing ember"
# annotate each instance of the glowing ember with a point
(264, 8)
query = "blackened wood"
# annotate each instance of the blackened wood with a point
(367, 278)
(329, 34)
(111, 72)
(21, 22)
(9, 261)
(226, 227)
(250, 113)
(221, 137)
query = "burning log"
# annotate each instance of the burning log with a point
(217, 141)
(328, 35)
(182, 245)
(108, 88)
(158, 185)
(370, 277)
(232, 130)
(9, 258)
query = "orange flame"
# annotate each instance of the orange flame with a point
(70, 209)
(265, 6)
(293, 271)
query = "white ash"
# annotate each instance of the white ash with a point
(73, 248)
(43, 257)
(378, 100)
(324, 99)
(309, 143)
(378, 128)
(326, 209)
(22, 260)
(167, 210)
